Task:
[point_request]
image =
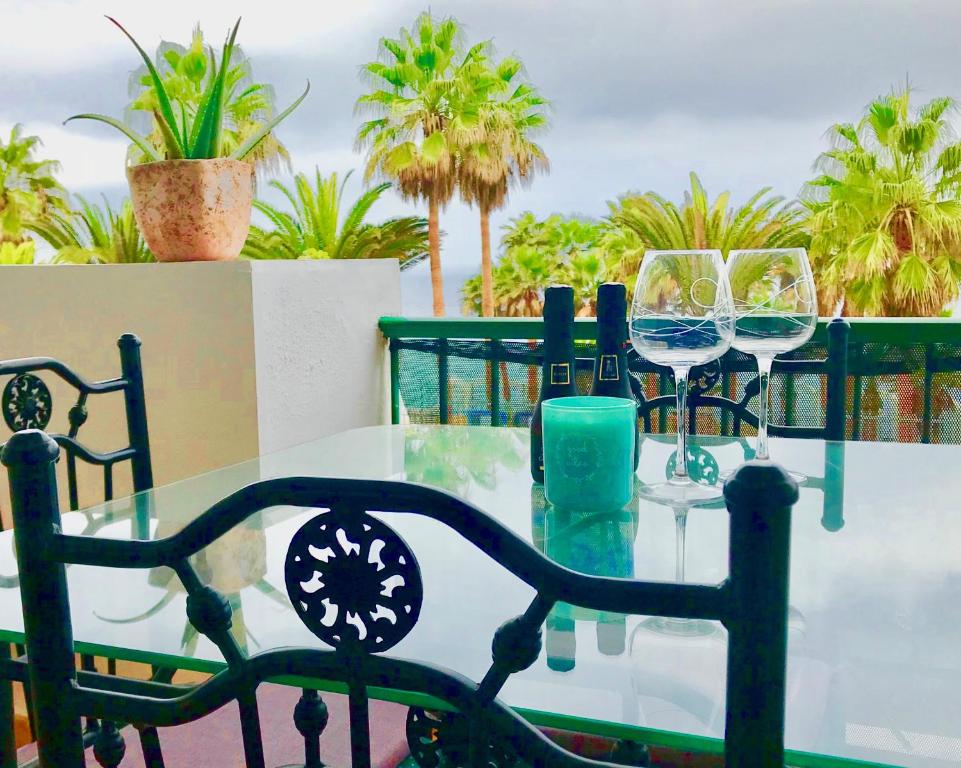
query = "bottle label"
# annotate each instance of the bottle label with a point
(560, 373)
(609, 370)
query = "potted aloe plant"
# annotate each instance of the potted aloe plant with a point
(192, 199)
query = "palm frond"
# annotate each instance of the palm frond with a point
(313, 226)
(886, 212)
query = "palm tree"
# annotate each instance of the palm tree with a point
(186, 73)
(503, 154)
(17, 253)
(317, 230)
(584, 272)
(29, 191)
(885, 217)
(95, 235)
(421, 110)
(535, 254)
(638, 222)
(518, 277)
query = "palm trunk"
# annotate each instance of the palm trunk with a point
(433, 240)
(487, 275)
(487, 296)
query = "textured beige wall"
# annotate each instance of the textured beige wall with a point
(196, 324)
(240, 358)
(321, 360)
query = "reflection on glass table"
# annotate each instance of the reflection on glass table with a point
(599, 543)
(702, 469)
(233, 563)
(873, 664)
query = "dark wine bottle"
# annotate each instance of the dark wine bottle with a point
(557, 371)
(610, 367)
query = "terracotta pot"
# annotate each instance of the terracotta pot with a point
(193, 210)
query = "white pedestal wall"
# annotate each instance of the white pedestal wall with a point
(240, 358)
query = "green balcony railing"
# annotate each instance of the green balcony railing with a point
(904, 376)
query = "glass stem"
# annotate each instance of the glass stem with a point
(764, 377)
(680, 464)
(680, 525)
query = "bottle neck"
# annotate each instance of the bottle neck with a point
(610, 367)
(611, 335)
(558, 367)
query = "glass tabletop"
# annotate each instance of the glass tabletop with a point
(875, 617)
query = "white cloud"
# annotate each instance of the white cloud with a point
(603, 158)
(329, 159)
(89, 164)
(62, 35)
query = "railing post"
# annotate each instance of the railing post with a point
(928, 394)
(29, 457)
(790, 398)
(136, 408)
(443, 382)
(725, 392)
(835, 422)
(394, 383)
(663, 380)
(495, 383)
(759, 497)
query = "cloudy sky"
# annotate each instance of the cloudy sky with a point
(643, 92)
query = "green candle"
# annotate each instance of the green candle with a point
(589, 452)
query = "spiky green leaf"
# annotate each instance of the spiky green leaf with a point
(244, 149)
(135, 137)
(163, 100)
(208, 140)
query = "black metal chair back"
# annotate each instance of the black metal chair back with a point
(27, 403)
(367, 565)
(704, 380)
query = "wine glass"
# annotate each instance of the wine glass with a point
(705, 465)
(682, 316)
(776, 311)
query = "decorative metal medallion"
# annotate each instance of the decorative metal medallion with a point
(704, 378)
(26, 403)
(352, 579)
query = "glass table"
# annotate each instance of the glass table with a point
(874, 665)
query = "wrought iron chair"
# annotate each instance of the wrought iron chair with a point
(735, 413)
(27, 403)
(751, 602)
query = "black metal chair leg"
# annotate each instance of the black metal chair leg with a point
(87, 664)
(150, 744)
(250, 728)
(359, 725)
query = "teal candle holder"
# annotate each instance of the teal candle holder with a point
(589, 452)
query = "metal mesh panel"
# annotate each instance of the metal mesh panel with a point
(905, 393)
(897, 392)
